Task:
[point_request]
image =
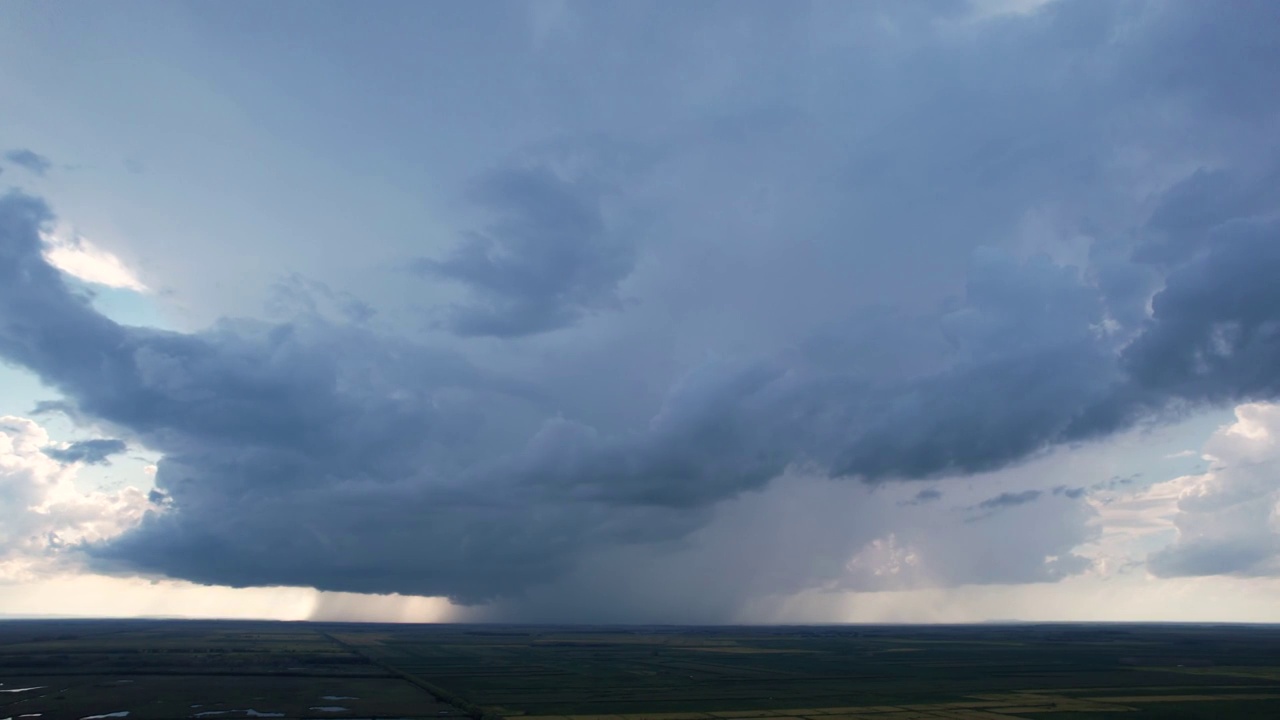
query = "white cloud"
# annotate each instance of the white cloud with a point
(884, 556)
(1220, 522)
(42, 512)
(78, 256)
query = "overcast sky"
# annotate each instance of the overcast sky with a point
(949, 310)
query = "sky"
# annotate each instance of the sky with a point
(642, 312)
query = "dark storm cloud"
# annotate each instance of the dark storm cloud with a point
(1214, 332)
(29, 160)
(324, 453)
(1197, 205)
(548, 258)
(1025, 335)
(285, 446)
(92, 452)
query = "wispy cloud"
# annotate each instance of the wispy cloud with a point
(30, 160)
(90, 452)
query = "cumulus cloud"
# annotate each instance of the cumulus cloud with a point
(1228, 519)
(29, 160)
(90, 452)
(825, 289)
(43, 513)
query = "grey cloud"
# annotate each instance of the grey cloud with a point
(92, 452)
(1069, 492)
(1214, 333)
(798, 533)
(549, 258)
(47, 407)
(372, 448)
(1195, 206)
(1243, 557)
(29, 160)
(1010, 499)
(246, 409)
(924, 496)
(298, 295)
(803, 304)
(1116, 481)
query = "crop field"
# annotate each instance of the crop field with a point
(172, 669)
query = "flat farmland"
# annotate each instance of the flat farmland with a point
(162, 670)
(175, 669)
(662, 673)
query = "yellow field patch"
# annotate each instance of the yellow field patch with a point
(850, 712)
(1184, 698)
(860, 712)
(832, 713)
(743, 650)
(668, 716)
(1262, 673)
(1003, 706)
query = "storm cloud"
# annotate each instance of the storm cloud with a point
(548, 258)
(842, 260)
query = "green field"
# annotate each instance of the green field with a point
(173, 669)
